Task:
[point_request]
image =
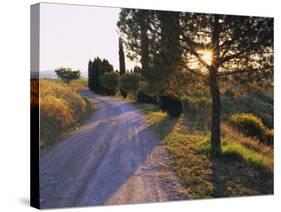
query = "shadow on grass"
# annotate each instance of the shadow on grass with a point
(232, 175)
(161, 123)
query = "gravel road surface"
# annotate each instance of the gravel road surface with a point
(111, 159)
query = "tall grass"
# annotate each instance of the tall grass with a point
(251, 125)
(60, 109)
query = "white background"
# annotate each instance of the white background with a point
(14, 102)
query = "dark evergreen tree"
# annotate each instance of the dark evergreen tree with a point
(90, 75)
(153, 36)
(122, 65)
(98, 68)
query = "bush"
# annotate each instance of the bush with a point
(142, 97)
(171, 105)
(110, 80)
(60, 109)
(251, 125)
(130, 82)
(258, 103)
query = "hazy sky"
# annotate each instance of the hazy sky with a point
(71, 35)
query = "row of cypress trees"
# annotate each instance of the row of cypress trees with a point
(96, 69)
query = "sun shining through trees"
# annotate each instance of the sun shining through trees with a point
(207, 56)
(211, 50)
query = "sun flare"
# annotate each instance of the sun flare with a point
(207, 56)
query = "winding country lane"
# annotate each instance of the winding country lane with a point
(112, 159)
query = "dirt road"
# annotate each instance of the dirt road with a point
(112, 159)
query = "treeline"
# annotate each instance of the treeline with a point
(96, 69)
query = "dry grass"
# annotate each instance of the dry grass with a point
(244, 168)
(61, 108)
(250, 143)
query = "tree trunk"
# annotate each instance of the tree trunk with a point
(216, 112)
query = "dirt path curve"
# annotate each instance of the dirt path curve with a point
(112, 159)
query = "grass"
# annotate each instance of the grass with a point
(61, 110)
(78, 84)
(245, 167)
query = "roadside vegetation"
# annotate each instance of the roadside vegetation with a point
(61, 109)
(244, 166)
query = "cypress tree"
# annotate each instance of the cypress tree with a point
(90, 75)
(122, 65)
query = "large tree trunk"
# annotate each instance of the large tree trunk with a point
(216, 112)
(214, 89)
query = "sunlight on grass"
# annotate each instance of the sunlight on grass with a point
(60, 110)
(240, 169)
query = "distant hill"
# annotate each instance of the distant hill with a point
(51, 74)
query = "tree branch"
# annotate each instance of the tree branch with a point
(230, 57)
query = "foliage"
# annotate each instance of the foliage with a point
(130, 82)
(96, 69)
(240, 51)
(60, 109)
(142, 97)
(198, 111)
(257, 103)
(122, 64)
(67, 74)
(171, 105)
(110, 80)
(252, 126)
(158, 53)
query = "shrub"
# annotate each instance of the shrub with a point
(171, 105)
(142, 97)
(130, 82)
(251, 125)
(258, 103)
(110, 80)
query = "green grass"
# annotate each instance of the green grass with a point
(245, 167)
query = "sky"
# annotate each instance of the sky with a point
(70, 35)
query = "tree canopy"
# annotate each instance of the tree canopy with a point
(67, 74)
(131, 82)
(110, 80)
